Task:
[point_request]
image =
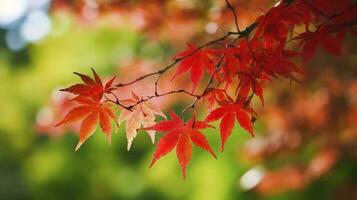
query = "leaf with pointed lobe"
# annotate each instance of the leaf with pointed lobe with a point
(200, 140)
(166, 144)
(216, 114)
(312, 40)
(108, 88)
(105, 116)
(258, 90)
(226, 126)
(90, 87)
(143, 114)
(213, 95)
(197, 61)
(88, 126)
(86, 79)
(180, 135)
(90, 112)
(75, 114)
(184, 152)
(244, 121)
(248, 84)
(228, 114)
(96, 77)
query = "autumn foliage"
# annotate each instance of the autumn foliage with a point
(229, 72)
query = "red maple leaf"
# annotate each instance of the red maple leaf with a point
(235, 60)
(229, 112)
(198, 61)
(320, 37)
(89, 87)
(213, 95)
(275, 24)
(248, 83)
(90, 112)
(180, 135)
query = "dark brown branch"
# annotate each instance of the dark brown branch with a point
(240, 34)
(156, 84)
(177, 60)
(130, 107)
(150, 74)
(117, 102)
(234, 14)
(337, 27)
(161, 95)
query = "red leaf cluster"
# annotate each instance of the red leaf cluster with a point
(238, 65)
(196, 61)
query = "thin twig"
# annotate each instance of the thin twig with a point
(192, 105)
(177, 60)
(234, 14)
(161, 95)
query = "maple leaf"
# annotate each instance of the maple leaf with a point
(277, 62)
(90, 112)
(198, 61)
(314, 39)
(273, 27)
(235, 60)
(247, 83)
(212, 95)
(180, 135)
(141, 115)
(229, 112)
(91, 87)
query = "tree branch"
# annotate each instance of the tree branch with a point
(234, 14)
